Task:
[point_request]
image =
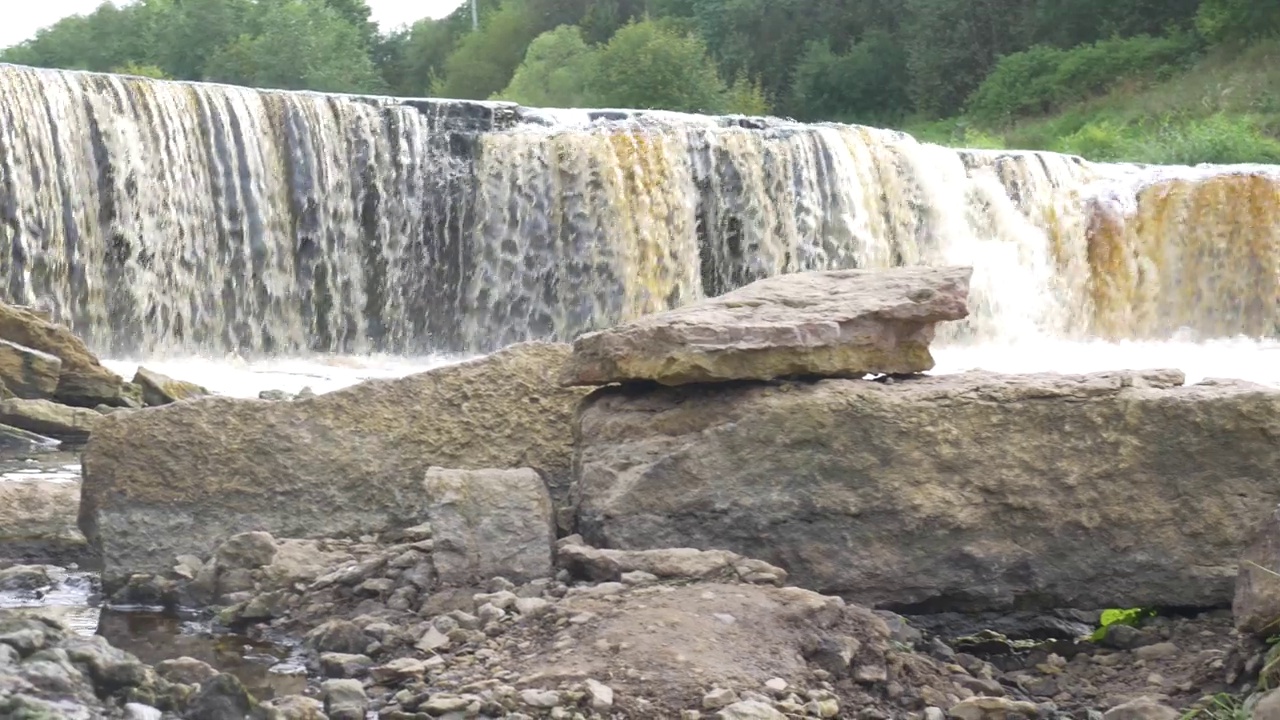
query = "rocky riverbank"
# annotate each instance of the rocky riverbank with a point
(766, 510)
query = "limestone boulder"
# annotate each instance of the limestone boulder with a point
(489, 523)
(82, 380)
(181, 479)
(46, 417)
(834, 323)
(971, 491)
(28, 373)
(160, 389)
(1256, 605)
(38, 522)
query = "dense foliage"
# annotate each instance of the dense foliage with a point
(993, 63)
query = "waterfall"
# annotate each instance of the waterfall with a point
(177, 218)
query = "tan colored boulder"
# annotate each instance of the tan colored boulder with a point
(1256, 605)
(160, 389)
(180, 479)
(45, 417)
(82, 380)
(38, 522)
(28, 373)
(489, 523)
(972, 491)
(833, 323)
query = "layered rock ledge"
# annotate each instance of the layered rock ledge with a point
(181, 478)
(963, 492)
(834, 323)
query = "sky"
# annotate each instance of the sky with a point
(19, 19)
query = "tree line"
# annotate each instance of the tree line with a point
(868, 61)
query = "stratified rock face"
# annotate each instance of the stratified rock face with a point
(973, 491)
(49, 418)
(1256, 605)
(839, 323)
(82, 380)
(28, 373)
(182, 478)
(489, 523)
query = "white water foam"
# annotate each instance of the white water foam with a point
(236, 377)
(1241, 358)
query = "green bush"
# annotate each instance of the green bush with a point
(1037, 80)
(1219, 139)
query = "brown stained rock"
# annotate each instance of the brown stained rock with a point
(82, 380)
(27, 373)
(835, 323)
(52, 419)
(182, 478)
(160, 389)
(972, 491)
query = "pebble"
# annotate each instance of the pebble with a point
(532, 606)
(540, 698)
(719, 698)
(601, 695)
(777, 686)
(1159, 651)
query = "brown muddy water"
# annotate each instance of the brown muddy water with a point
(267, 670)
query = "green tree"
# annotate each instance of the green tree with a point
(485, 61)
(303, 44)
(952, 46)
(555, 71)
(646, 65)
(1235, 20)
(867, 84)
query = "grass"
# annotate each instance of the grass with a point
(1224, 109)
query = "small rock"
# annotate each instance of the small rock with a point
(340, 636)
(344, 700)
(160, 389)
(344, 665)
(399, 670)
(246, 551)
(138, 711)
(442, 704)
(992, 708)
(186, 671)
(503, 599)
(776, 686)
(828, 708)
(433, 640)
(532, 606)
(934, 713)
(718, 698)
(222, 697)
(750, 710)
(1143, 708)
(601, 696)
(1159, 651)
(1267, 706)
(540, 698)
(298, 707)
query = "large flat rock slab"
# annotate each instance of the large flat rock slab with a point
(833, 323)
(182, 478)
(972, 491)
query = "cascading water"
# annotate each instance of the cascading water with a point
(178, 218)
